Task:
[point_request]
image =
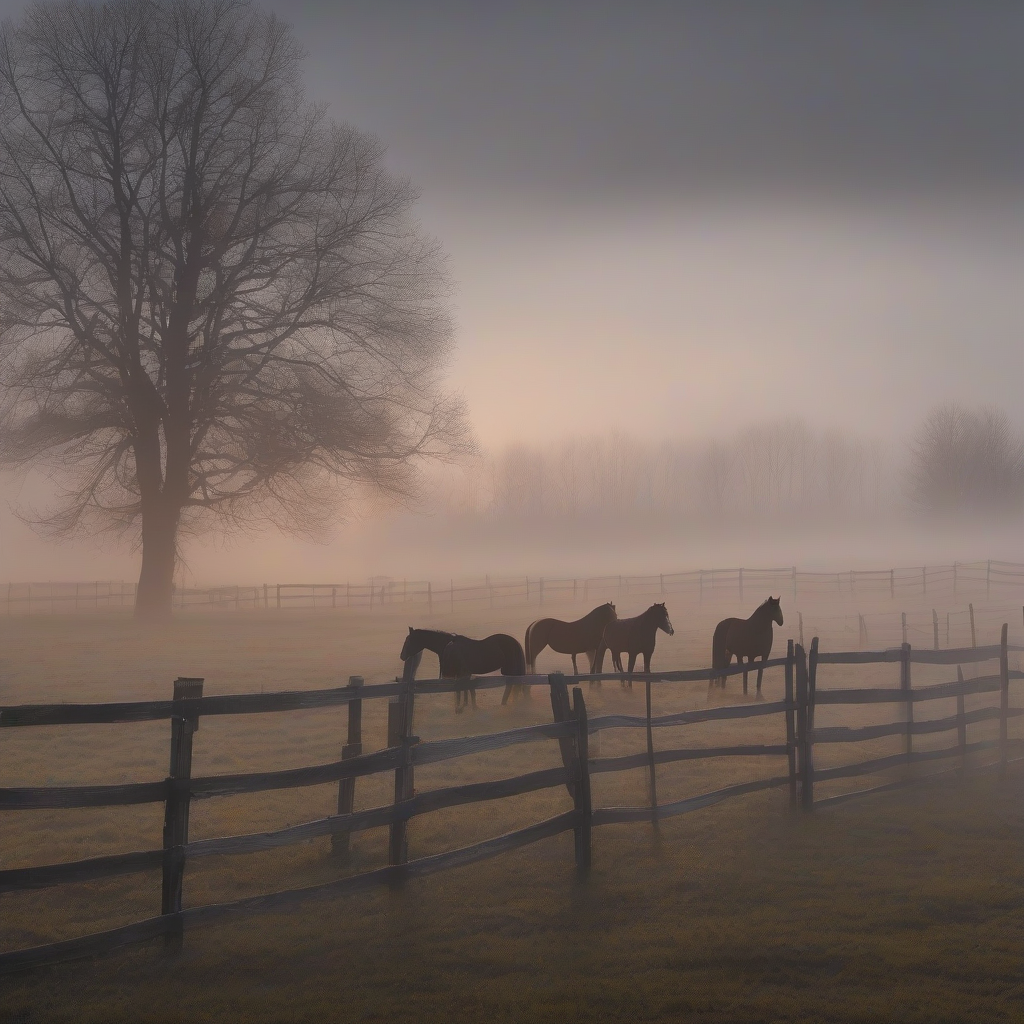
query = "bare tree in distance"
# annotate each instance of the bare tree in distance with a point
(967, 461)
(214, 308)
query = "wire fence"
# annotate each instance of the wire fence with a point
(959, 581)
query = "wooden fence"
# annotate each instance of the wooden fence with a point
(958, 581)
(570, 728)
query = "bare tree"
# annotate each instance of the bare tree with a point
(966, 461)
(215, 309)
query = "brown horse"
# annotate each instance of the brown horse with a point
(634, 636)
(466, 657)
(572, 638)
(746, 638)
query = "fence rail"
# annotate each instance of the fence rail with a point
(958, 580)
(570, 728)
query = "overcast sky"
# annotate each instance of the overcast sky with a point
(677, 218)
(671, 218)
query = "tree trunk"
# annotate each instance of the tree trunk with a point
(159, 545)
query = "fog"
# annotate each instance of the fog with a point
(672, 225)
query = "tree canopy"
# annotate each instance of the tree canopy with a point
(215, 307)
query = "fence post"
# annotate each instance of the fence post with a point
(803, 736)
(961, 721)
(278, 596)
(908, 712)
(790, 725)
(800, 615)
(353, 748)
(1004, 697)
(650, 760)
(400, 712)
(974, 638)
(935, 627)
(561, 713)
(582, 797)
(176, 805)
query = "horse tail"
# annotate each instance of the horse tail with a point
(531, 652)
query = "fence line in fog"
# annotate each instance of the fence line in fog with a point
(571, 728)
(958, 580)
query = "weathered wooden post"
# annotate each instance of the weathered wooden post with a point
(961, 721)
(800, 615)
(803, 734)
(908, 707)
(353, 748)
(176, 806)
(1004, 697)
(400, 713)
(974, 637)
(935, 627)
(790, 725)
(561, 713)
(581, 798)
(650, 759)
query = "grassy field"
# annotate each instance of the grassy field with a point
(905, 906)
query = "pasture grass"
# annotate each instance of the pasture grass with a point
(904, 906)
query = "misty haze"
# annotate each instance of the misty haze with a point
(510, 513)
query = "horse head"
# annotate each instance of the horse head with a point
(662, 619)
(775, 608)
(409, 648)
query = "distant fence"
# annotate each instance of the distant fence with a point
(960, 580)
(570, 728)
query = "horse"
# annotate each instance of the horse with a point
(746, 638)
(634, 636)
(466, 657)
(572, 638)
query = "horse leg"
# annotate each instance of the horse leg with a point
(575, 670)
(472, 695)
(745, 664)
(632, 663)
(505, 696)
(760, 672)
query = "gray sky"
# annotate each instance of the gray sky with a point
(675, 218)
(671, 218)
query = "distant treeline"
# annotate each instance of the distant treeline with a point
(957, 462)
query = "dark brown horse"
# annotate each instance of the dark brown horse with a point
(634, 636)
(465, 657)
(745, 638)
(572, 638)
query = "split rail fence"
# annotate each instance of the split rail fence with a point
(570, 727)
(959, 580)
